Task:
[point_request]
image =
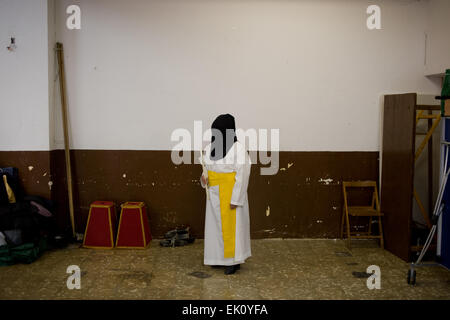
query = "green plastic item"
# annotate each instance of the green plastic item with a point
(5, 256)
(445, 90)
(25, 253)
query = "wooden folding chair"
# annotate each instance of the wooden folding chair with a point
(369, 211)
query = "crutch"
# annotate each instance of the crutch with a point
(438, 209)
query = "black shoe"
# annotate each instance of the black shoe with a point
(217, 266)
(231, 269)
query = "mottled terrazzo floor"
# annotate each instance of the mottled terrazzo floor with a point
(278, 269)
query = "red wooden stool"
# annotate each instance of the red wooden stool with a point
(134, 230)
(101, 226)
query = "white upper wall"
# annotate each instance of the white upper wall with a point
(138, 69)
(24, 95)
(438, 42)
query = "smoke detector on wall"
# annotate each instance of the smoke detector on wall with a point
(12, 45)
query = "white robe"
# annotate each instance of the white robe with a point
(237, 160)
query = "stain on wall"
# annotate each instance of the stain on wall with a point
(305, 199)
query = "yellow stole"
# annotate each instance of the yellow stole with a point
(225, 181)
(11, 197)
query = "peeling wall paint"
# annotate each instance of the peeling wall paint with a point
(325, 181)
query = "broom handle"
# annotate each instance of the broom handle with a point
(62, 83)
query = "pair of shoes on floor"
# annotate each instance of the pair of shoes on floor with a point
(177, 238)
(232, 269)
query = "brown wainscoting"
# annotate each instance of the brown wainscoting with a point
(305, 197)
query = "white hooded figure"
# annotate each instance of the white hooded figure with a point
(226, 172)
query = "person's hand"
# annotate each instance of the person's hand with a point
(233, 206)
(204, 180)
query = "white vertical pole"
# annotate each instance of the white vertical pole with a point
(441, 176)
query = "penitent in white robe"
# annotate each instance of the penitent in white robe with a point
(237, 160)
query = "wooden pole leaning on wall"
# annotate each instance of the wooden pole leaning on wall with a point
(62, 86)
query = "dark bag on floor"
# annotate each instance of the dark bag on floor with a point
(47, 204)
(22, 216)
(13, 237)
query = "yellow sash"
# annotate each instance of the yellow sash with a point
(225, 181)
(11, 197)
